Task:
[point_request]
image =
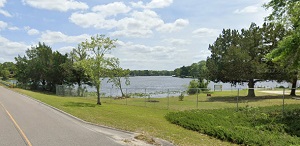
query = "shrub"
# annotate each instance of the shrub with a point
(196, 86)
(193, 87)
(249, 126)
(181, 96)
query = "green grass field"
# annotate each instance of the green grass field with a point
(138, 115)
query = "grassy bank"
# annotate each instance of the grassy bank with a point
(248, 126)
(149, 117)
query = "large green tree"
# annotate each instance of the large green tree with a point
(287, 13)
(97, 65)
(238, 56)
(22, 71)
(76, 74)
(41, 67)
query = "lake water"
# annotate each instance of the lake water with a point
(160, 85)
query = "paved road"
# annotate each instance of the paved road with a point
(24, 121)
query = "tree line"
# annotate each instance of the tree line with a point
(42, 68)
(194, 70)
(151, 73)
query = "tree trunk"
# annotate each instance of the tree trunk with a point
(251, 92)
(294, 86)
(79, 88)
(120, 86)
(123, 95)
(98, 95)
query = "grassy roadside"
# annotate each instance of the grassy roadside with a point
(150, 120)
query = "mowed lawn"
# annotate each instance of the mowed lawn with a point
(139, 115)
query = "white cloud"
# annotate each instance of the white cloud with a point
(59, 5)
(3, 25)
(33, 32)
(146, 57)
(132, 33)
(171, 27)
(248, 9)
(139, 24)
(153, 4)
(5, 13)
(51, 37)
(2, 3)
(129, 47)
(95, 20)
(146, 19)
(66, 49)
(11, 49)
(13, 28)
(206, 32)
(134, 24)
(177, 42)
(111, 9)
(98, 18)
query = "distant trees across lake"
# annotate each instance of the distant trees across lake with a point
(151, 73)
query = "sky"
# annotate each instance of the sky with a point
(151, 34)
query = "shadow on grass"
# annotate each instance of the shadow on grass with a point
(233, 99)
(79, 104)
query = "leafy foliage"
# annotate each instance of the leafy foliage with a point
(195, 70)
(287, 13)
(116, 75)
(7, 70)
(238, 56)
(196, 86)
(249, 126)
(96, 65)
(76, 74)
(151, 73)
(41, 67)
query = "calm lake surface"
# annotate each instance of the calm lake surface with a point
(162, 84)
(167, 82)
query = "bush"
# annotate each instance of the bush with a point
(249, 126)
(181, 96)
(196, 86)
(193, 87)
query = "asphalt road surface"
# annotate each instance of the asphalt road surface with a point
(24, 121)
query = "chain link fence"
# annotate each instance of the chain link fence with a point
(179, 99)
(64, 90)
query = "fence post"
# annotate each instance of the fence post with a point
(126, 96)
(283, 101)
(168, 98)
(237, 101)
(110, 91)
(198, 97)
(145, 97)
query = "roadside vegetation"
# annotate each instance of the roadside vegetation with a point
(150, 119)
(248, 126)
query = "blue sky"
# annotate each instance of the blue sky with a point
(152, 34)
